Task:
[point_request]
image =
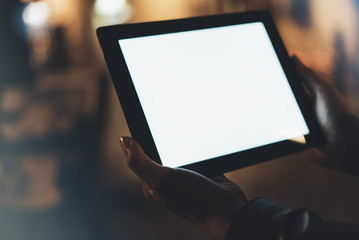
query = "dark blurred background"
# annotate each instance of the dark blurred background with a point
(62, 172)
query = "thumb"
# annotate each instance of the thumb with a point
(326, 94)
(314, 83)
(145, 168)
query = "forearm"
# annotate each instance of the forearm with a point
(262, 219)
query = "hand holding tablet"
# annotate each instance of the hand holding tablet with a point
(211, 94)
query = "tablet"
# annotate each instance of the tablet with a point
(211, 94)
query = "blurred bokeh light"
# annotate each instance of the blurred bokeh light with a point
(109, 7)
(36, 14)
(111, 12)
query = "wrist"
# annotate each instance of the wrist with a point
(218, 228)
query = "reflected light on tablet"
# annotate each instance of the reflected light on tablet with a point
(292, 134)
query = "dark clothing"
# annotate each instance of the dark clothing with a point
(263, 219)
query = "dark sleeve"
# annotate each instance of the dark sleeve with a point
(263, 219)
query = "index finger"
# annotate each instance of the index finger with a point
(145, 168)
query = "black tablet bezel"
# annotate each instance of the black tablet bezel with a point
(109, 36)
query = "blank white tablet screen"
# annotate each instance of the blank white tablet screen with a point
(211, 92)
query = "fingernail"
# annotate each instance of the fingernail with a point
(125, 142)
(153, 194)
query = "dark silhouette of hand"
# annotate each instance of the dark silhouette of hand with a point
(338, 121)
(210, 203)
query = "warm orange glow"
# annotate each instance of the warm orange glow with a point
(12, 100)
(64, 12)
(41, 42)
(151, 10)
(315, 44)
(335, 17)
